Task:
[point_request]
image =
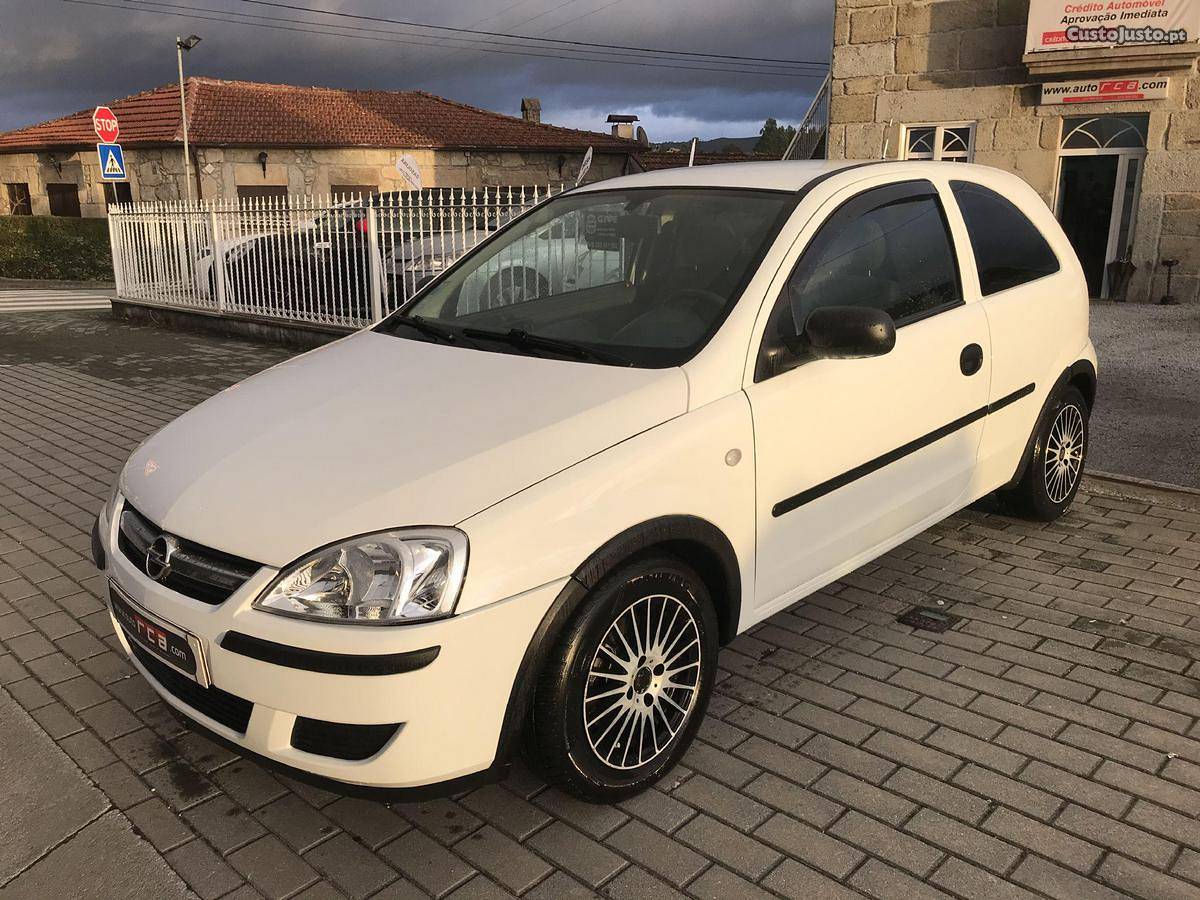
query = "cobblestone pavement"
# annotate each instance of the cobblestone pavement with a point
(1049, 744)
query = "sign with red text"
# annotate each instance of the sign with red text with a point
(1075, 24)
(104, 120)
(1105, 90)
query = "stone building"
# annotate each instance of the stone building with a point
(1108, 135)
(254, 140)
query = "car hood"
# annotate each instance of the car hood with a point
(377, 432)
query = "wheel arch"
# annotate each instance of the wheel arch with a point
(1081, 374)
(696, 541)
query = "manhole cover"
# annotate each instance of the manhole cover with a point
(928, 619)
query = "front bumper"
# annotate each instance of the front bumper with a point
(451, 710)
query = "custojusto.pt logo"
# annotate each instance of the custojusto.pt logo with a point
(1122, 34)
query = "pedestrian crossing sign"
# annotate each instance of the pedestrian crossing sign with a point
(112, 162)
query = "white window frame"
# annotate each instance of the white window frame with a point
(938, 151)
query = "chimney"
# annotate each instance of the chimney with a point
(531, 110)
(622, 125)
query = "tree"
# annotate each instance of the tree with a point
(773, 139)
(731, 149)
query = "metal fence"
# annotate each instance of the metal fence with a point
(334, 260)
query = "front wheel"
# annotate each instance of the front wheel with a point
(1055, 468)
(624, 692)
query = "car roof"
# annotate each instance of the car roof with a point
(788, 175)
(779, 176)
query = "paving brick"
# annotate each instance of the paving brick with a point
(1057, 845)
(1083, 714)
(888, 843)
(427, 863)
(657, 852)
(1111, 747)
(353, 868)
(1072, 787)
(729, 847)
(850, 759)
(779, 760)
(374, 824)
(224, 824)
(801, 803)
(831, 723)
(795, 880)
(963, 840)
(1023, 715)
(802, 841)
(956, 717)
(948, 799)
(586, 859)
(880, 880)
(1060, 883)
(1182, 829)
(158, 824)
(205, 872)
(912, 754)
(966, 880)
(589, 818)
(635, 883)
(1116, 836)
(272, 868)
(718, 883)
(1165, 741)
(444, 819)
(296, 822)
(724, 803)
(1139, 881)
(1040, 748)
(1149, 787)
(966, 747)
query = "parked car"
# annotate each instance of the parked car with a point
(533, 521)
(325, 259)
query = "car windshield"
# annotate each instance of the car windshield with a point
(637, 277)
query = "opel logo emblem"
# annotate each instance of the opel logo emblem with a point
(158, 556)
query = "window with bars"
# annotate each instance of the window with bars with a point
(19, 201)
(950, 142)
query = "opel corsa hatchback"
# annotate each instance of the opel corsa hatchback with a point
(530, 507)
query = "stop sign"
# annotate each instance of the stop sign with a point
(105, 123)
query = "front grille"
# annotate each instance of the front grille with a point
(340, 741)
(221, 706)
(199, 572)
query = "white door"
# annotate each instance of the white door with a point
(852, 455)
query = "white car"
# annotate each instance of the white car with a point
(389, 562)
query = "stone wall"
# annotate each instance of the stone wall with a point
(157, 173)
(911, 62)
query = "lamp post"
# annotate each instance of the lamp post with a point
(182, 44)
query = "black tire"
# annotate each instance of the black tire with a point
(1053, 475)
(597, 766)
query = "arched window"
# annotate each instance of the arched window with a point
(1105, 132)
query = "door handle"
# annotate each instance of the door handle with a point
(970, 360)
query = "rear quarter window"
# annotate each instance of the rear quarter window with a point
(1009, 249)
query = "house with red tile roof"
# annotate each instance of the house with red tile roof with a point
(251, 140)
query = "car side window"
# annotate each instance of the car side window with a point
(1009, 249)
(887, 248)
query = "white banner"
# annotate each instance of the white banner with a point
(407, 166)
(1073, 24)
(1105, 90)
(584, 166)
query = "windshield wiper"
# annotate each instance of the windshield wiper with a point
(427, 328)
(524, 340)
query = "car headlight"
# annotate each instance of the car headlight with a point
(406, 575)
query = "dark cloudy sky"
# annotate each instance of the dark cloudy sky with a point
(57, 57)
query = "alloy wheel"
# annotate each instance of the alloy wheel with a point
(643, 682)
(1064, 453)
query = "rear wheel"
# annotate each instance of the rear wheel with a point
(1055, 469)
(625, 690)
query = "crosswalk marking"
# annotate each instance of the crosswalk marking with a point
(52, 301)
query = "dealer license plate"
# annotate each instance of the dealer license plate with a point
(181, 651)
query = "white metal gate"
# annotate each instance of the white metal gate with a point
(329, 260)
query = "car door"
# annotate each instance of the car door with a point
(853, 455)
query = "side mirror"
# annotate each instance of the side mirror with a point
(849, 332)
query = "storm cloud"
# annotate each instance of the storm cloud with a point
(58, 57)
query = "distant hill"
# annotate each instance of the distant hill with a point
(715, 145)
